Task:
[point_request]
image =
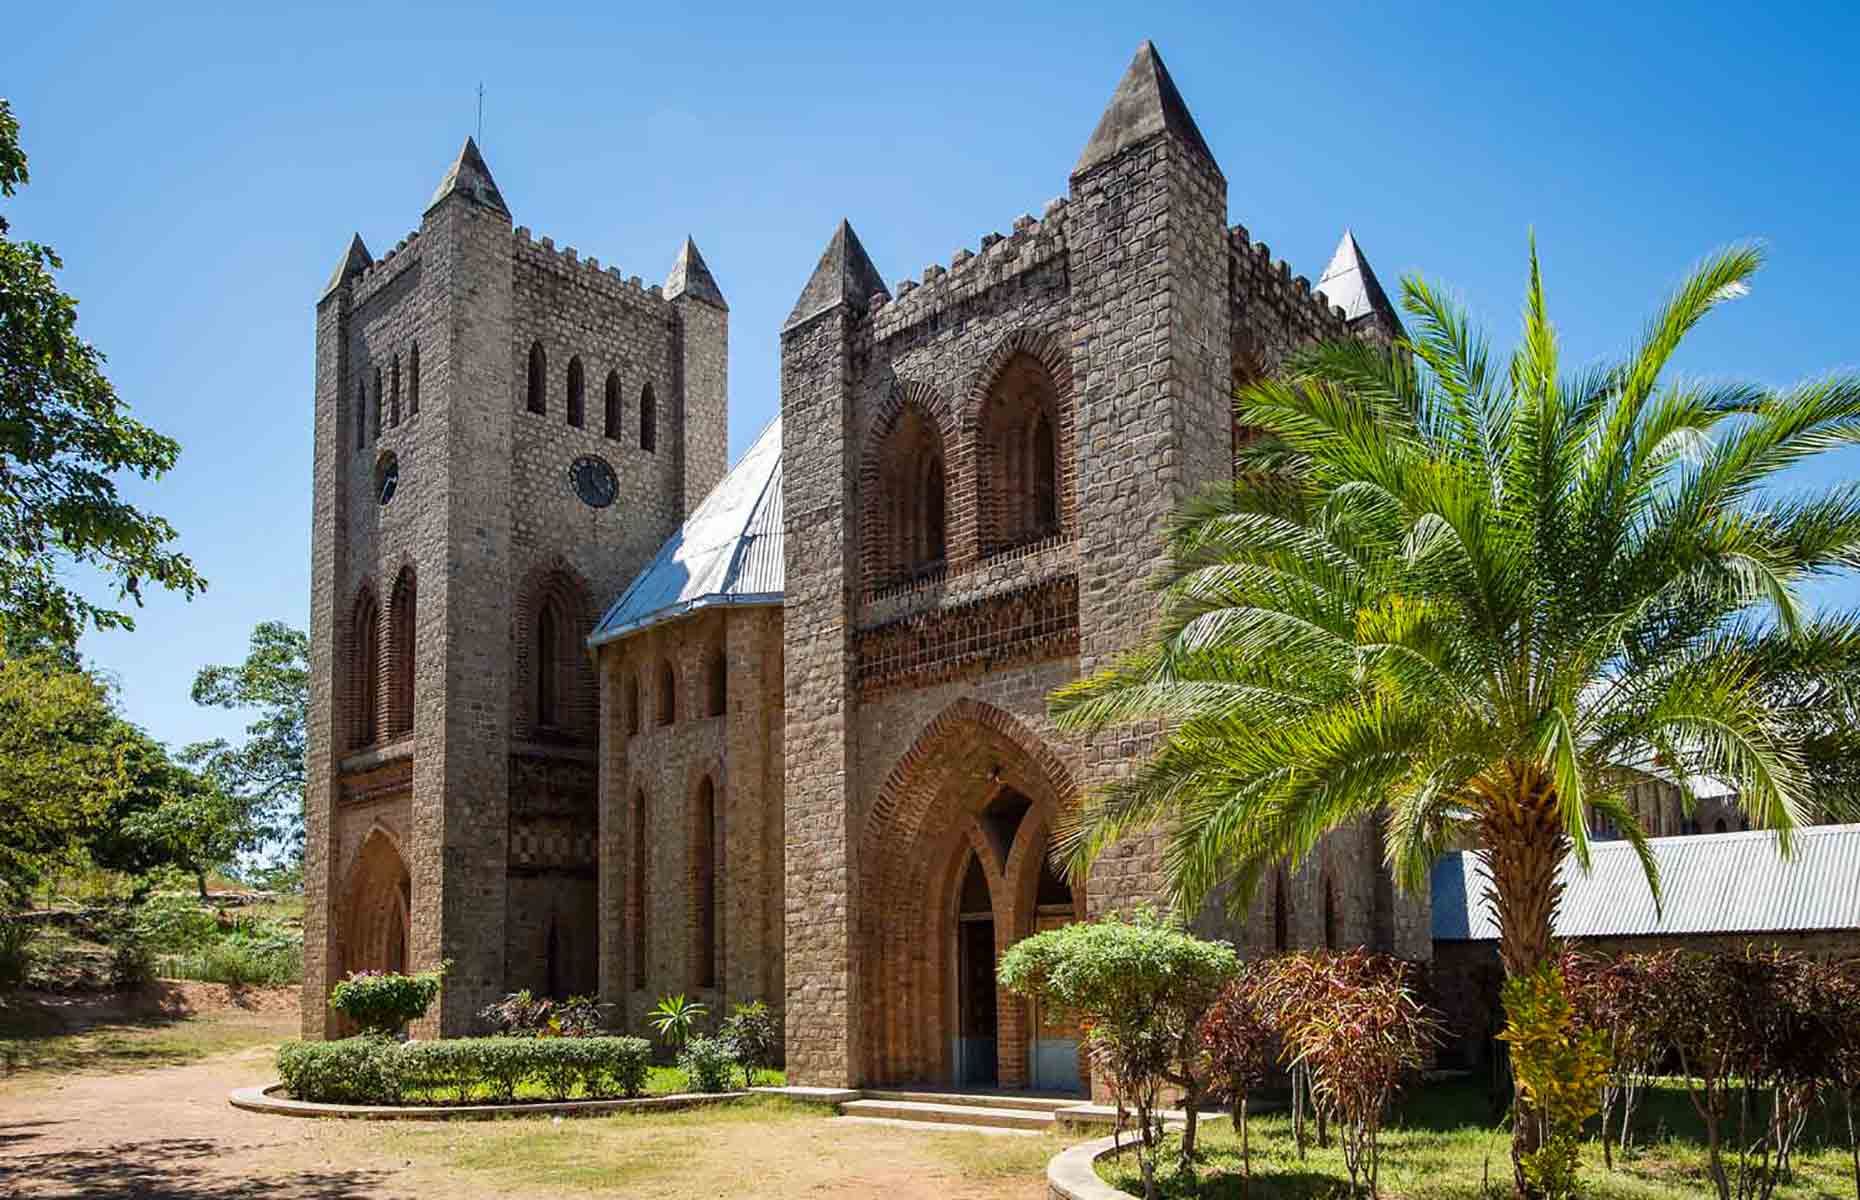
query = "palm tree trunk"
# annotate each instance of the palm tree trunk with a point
(1522, 842)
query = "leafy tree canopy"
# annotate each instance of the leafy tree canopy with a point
(264, 775)
(64, 435)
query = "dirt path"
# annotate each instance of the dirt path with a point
(170, 1132)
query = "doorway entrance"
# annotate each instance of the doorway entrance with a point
(977, 1064)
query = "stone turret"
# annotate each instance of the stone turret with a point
(844, 275)
(1349, 284)
(703, 360)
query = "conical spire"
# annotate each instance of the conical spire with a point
(1349, 284)
(1144, 105)
(845, 276)
(353, 263)
(691, 277)
(470, 178)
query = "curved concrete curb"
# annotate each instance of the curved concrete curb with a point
(1073, 1174)
(272, 1100)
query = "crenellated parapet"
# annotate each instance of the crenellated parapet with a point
(972, 275)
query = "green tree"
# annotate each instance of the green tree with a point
(264, 774)
(1467, 596)
(59, 770)
(64, 435)
(1142, 987)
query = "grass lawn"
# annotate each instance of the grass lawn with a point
(762, 1146)
(43, 1036)
(1442, 1145)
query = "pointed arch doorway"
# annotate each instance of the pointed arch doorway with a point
(954, 873)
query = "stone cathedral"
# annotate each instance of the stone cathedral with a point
(592, 713)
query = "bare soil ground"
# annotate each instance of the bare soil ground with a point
(92, 1117)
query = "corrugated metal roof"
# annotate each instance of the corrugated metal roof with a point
(728, 552)
(1713, 883)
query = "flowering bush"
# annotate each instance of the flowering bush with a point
(383, 1001)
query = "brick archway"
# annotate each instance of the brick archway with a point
(976, 786)
(376, 918)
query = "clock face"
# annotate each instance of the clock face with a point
(387, 478)
(593, 480)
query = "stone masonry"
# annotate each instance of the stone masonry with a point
(836, 796)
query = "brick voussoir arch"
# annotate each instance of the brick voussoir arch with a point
(909, 779)
(1050, 352)
(939, 414)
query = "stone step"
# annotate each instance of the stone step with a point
(975, 1099)
(950, 1114)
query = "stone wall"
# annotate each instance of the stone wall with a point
(738, 753)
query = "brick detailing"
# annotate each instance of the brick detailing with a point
(402, 650)
(704, 865)
(906, 515)
(557, 695)
(365, 668)
(375, 929)
(1017, 422)
(975, 787)
(1029, 624)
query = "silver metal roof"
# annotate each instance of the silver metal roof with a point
(1713, 883)
(728, 552)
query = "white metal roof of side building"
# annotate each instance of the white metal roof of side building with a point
(729, 551)
(1712, 883)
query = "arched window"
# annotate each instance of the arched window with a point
(636, 891)
(909, 536)
(632, 703)
(538, 394)
(1018, 465)
(704, 887)
(576, 393)
(1718, 826)
(365, 670)
(1281, 916)
(716, 683)
(668, 694)
(394, 393)
(648, 420)
(361, 414)
(610, 425)
(548, 668)
(377, 412)
(413, 381)
(401, 608)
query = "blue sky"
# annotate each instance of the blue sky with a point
(201, 172)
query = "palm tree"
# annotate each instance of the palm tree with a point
(1466, 597)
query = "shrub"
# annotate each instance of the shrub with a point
(1238, 1045)
(171, 922)
(16, 951)
(1141, 987)
(382, 1001)
(376, 1069)
(752, 1031)
(518, 1014)
(369, 1069)
(1560, 1068)
(676, 1018)
(707, 1063)
(132, 962)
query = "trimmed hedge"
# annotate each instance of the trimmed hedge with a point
(373, 1069)
(708, 1063)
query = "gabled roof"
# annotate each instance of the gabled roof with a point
(1145, 104)
(728, 553)
(844, 275)
(471, 178)
(1349, 284)
(1712, 883)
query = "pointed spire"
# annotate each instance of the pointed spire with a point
(1349, 284)
(691, 277)
(353, 263)
(845, 275)
(1144, 106)
(470, 178)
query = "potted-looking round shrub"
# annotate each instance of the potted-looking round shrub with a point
(385, 1001)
